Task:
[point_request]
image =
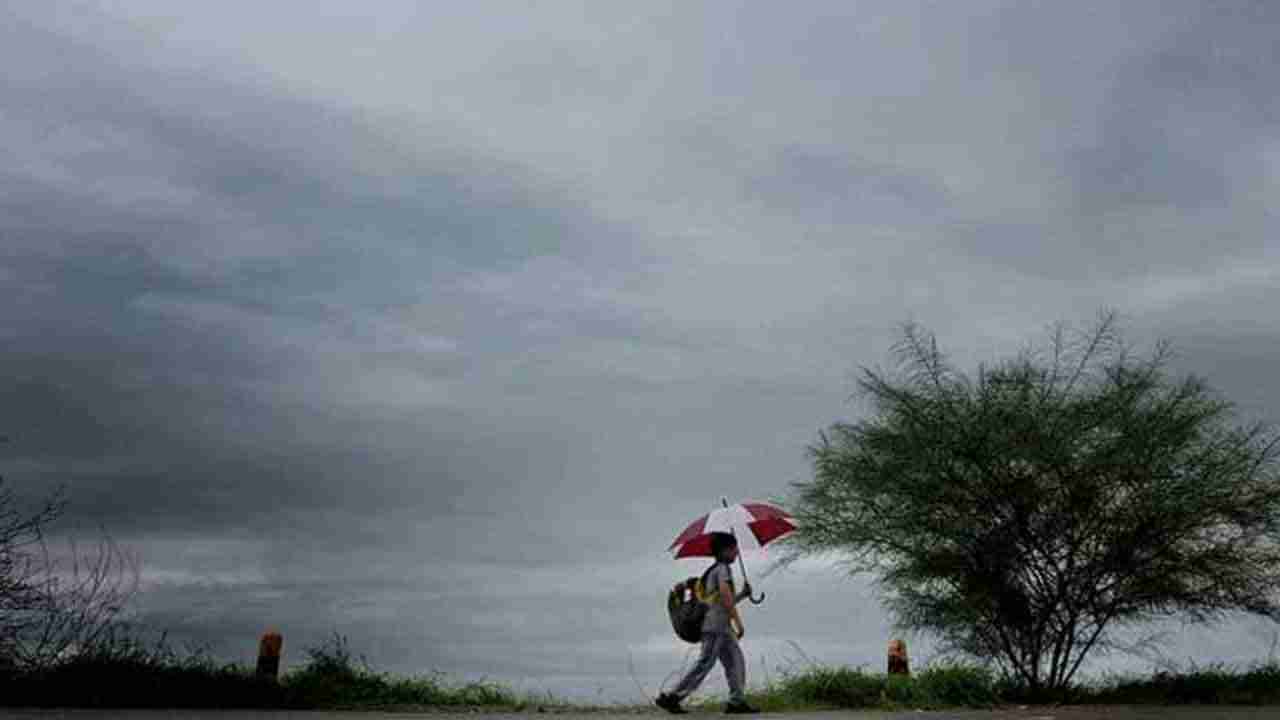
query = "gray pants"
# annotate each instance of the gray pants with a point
(716, 646)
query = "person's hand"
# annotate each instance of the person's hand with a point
(741, 631)
(746, 589)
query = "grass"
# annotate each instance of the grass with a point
(129, 674)
(822, 687)
(1211, 685)
(951, 685)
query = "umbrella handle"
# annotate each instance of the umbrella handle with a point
(741, 565)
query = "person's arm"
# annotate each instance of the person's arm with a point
(731, 605)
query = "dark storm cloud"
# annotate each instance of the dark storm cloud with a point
(432, 326)
(169, 170)
(167, 239)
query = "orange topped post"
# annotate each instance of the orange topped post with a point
(269, 648)
(898, 658)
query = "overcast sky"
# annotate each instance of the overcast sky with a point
(432, 324)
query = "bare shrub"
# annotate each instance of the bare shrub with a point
(52, 608)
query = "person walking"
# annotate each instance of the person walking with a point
(721, 630)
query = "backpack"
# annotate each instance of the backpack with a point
(687, 605)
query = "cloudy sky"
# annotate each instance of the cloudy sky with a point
(431, 324)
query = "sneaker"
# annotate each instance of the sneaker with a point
(740, 708)
(670, 703)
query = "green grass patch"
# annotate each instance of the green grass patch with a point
(129, 674)
(938, 686)
(332, 679)
(1211, 685)
(954, 685)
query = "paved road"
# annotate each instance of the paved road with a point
(1024, 713)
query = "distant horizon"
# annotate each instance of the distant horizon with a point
(663, 655)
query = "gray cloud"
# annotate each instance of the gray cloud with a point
(432, 327)
(1161, 166)
(180, 345)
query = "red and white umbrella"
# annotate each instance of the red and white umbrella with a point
(754, 524)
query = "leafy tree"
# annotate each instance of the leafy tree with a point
(1024, 515)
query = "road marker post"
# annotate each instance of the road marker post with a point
(269, 648)
(898, 658)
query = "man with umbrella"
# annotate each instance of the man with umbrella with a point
(721, 629)
(716, 534)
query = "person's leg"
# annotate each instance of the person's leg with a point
(735, 669)
(711, 643)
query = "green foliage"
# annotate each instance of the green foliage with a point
(129, 673)
(132, 674)
(954, 684)
(819, 687)
(1020, 515)
(950, 685)
(331, 679)
(835, 686)
(1212, 685)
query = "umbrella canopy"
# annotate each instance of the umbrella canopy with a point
(755, 524)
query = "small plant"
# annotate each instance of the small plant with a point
(333, 659)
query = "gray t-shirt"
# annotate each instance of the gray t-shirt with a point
(717, 618)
